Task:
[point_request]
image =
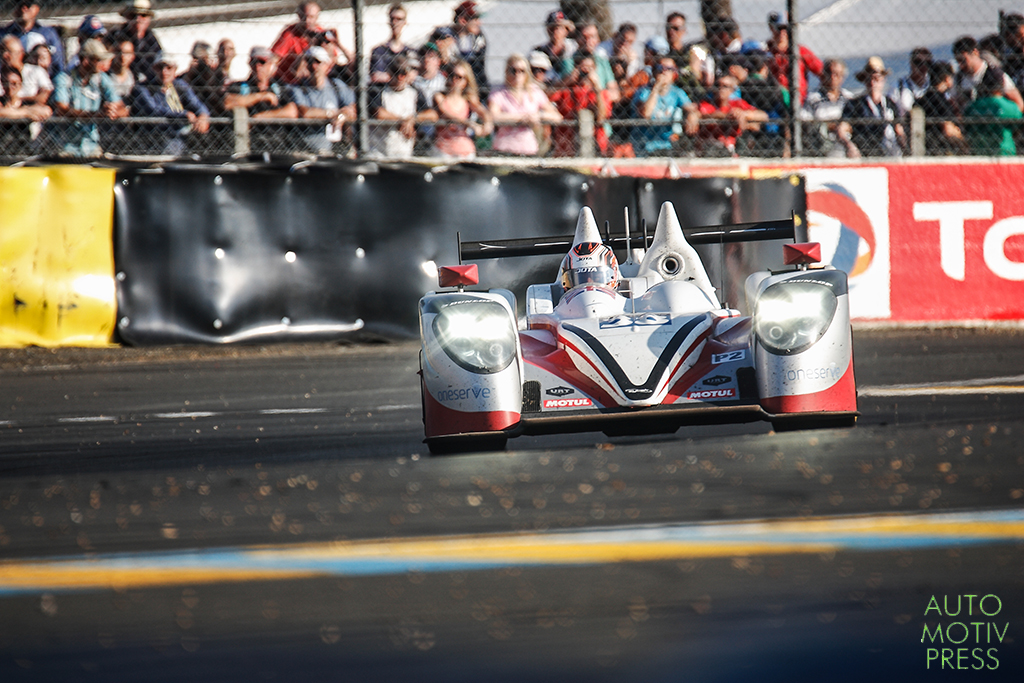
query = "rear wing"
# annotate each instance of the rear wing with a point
(713, 234)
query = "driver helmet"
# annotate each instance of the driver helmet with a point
(589, 263)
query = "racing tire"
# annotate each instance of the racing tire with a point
(454, 445)
(807, 422)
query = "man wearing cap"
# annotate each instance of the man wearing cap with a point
(471, 44)
(871, 123)
(260, 94)
(86, 93)
(171, 98)
(664, 102)
(559, 48)
(323, 98)
(137, 28)
(430, 80)
(382, 55)
(24, 24)
(778, 47)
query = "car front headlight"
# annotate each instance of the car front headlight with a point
(477, 335)
(790, 316)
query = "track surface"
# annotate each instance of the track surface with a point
(271, 514)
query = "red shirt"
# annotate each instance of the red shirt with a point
(779, 67)
(569, 102)
(289, 46)
(725, 132)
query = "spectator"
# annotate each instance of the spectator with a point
(91, 27)
(620, 46)
(139, 17)
(559, 48)
(972, 71)
(225, 55)
(12, 106)
(86, 93)
(580, 90)
(723, 36)
(778, 48)
(444, 38)
(430, 81)
(731, 116)
(655, 48)
(1013, 48)
(825, 107)
(25, 14)
(695, 71)
(871, 122)
(382, 55)
(12, 53)
(462, 117)
(203, 78)
(35, 75)
(398, 102)
(589, 41)
(540, 68)
(665, 102)
(759, 88)
(992, 138)
(471, 44)
(324, 98)
(171, 98)
(297, 38)
(942, 136)
(519, 110)
(910, 87)
(121, 69)
(259, 94)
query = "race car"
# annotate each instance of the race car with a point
(639, 347)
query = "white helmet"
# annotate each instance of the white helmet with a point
(589, 263)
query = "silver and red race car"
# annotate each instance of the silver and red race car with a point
(638, 347)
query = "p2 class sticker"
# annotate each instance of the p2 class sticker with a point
(729, 357)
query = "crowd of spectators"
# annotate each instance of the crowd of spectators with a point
(715, 95)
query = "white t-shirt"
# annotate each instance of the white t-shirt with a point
(33, 79)
(389, 141)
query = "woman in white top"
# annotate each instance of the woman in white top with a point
(520, 102)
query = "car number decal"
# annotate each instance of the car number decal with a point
(719, 358)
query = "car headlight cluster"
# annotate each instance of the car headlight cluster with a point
(476, 335)
(790, 316)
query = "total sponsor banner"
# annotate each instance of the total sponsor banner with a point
(923, 242)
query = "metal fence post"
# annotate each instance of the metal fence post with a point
(586, 134)
(362, 80)
(794, 80)
(917, 145)
(241, 120)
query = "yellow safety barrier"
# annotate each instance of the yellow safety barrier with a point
(57, 256)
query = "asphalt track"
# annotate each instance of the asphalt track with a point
(271, 514)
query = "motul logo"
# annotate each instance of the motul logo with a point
(567, 403)
(712, 393)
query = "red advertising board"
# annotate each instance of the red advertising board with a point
(957, 242)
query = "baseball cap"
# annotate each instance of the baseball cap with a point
(33, 40)
(260, 53)
(164, 58)
(557, 17)
(318, 53)
(441, 33)
(539, 60)
(467, 10)
(91, 27)
(657, 45)
(95, 49)
(429, 47)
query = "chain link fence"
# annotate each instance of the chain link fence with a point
(530, 78)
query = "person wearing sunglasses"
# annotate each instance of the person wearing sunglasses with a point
(463, 118)
(260, 94)
(666, 103)
(520, 111)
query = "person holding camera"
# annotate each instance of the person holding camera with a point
(296, 38)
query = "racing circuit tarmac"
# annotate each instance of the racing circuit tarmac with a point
(270, 513)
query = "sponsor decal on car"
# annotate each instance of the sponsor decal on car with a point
(832, 373)
(729, 357)
(447, 395)
(559, 391)
(717, 380)
(638, 392)
(567, 402)
(703, 394)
